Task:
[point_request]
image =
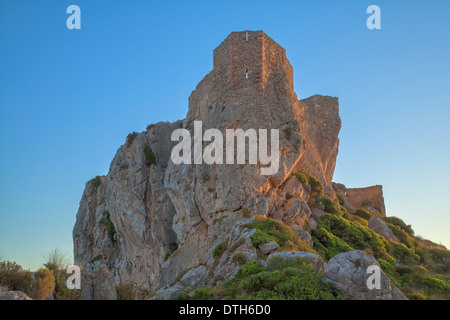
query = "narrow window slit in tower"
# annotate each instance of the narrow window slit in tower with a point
(246, 73)
(246, 35)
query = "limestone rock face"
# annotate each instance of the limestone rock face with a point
(150, 221)
(322, 143)
(348, 273)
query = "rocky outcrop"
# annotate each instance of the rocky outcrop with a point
(5, 294)
(321, 142)
(380, 227)
(159, 225)
(348, 273)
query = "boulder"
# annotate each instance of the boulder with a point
(267, 248)
(380, 227)
(195, 278)
(302, 233)
(316, 213)
(348, 273)
(14, 295)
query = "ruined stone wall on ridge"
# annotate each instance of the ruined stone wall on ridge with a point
(369, 197)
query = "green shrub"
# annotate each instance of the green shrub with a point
(363, 213)
(390, 270)
(96, 182)
(106, 221)
(359, 220)
(403, 236)
(61, 290)
(341, 200)
(203, 294)
(419, 269)
(125, 291)
(353, 234)
(329, 205)
(220, 249)
(150, 126)
(280, 263)
(431, 285)
(182, 296)
(167, 255)
(316, 187)
(271, 230)
(327, 244)
(301, 177)
(415, 296)
(403, 253)
(149, 155)
(438, 260)
(130, 138)
(251, 267)
(401, 224)
(296, 281)
(239, 258)
(172, 247)
(402, 270)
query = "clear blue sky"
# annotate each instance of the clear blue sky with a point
(68, 98)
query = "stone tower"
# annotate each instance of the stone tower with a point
(248, 58)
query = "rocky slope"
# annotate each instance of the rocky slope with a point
(168, 228)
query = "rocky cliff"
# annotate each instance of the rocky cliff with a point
(168, 228)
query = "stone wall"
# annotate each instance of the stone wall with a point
(369, 197)
(248, 58)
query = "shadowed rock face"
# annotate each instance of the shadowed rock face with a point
(148, 222)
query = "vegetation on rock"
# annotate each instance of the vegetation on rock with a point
(288, 281)
(149, 155)
(106, 221)
(268, 230)
(125, 291)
